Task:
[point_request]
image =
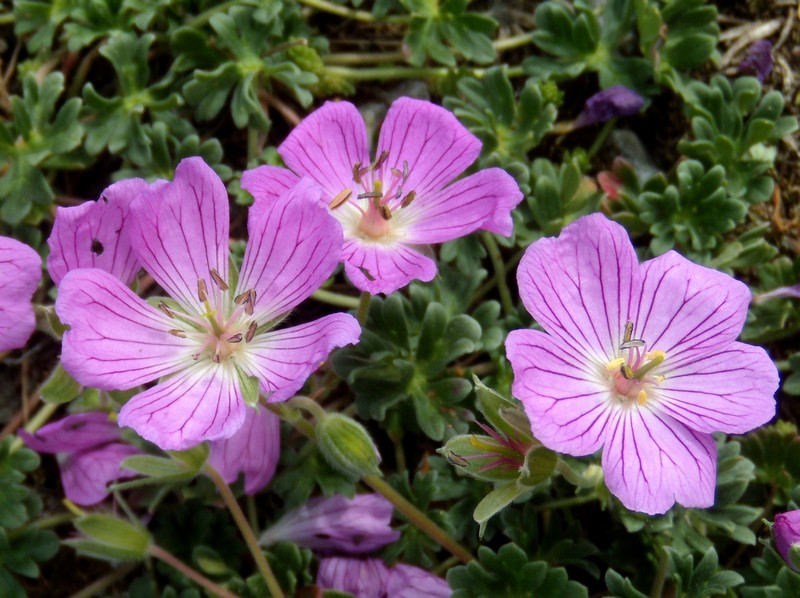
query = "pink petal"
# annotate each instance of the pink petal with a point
(581, 286)
(508, 198)
(20, 273)
(565, 399)
(266, 184)
(76, 432)
(85, 475)
(363, 578)
(203, 402)
(179, 230)
(436, 146)
(283, 359)
(253, 450)
(729, 390)
(786, 533)
(406, 581)
(94, 234)
(652, 461)
(686, 310)
(461, 208)
(384, 268)
(294, 247)
(116, 340)
(326, 145)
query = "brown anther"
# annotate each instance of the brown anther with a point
(370, 195)
(236, 338)
(381, 159)
(340, 198)
(410, 196)
(386, 213)
(215, 276)
(405, 170)
(396, 172)
(177, 332)
(216, 358)
(239, 299)
(250, 303)
(202, 290)
(357, 173)
(366, 273)
(251, 332)
(457, 459)
(165, 308)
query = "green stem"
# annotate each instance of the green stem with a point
(203, 17)
(43, 523)
(509, 43)
(351, 13)
(36, 422)
(252, 146)
(499, 272)
(566, 502)
(601, 137)
(336, 299)
(383, 73)
(418, 518)
(363, 307)
(358, 58)
(97, 587)
(7, 19)
(573, 477)
(159, 553)
(309, 405)
(246, 530)
(487, 286)
(657, 588)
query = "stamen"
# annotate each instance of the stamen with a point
(642, 397)
(386, 213)
(177, 332)
(202, 290)
(239, 299)
(251, 332)
(396, 172)
(340, 198)
(626, 371)
(236, 338)
(410, 196)
(656, 358)
(370, 195)
(218, 280)
(628, 331)
(165, 308)
(633, 343)
(357, 173)
(405, 170)
(381, 159)
(216, 358)
(456, 459)
(613, 365)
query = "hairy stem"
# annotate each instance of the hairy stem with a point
(97, 586)
(178, 565)
(657, 588)
(350, 13)
(336, 299)
(363, 307)
(382, 73)
(499, 272)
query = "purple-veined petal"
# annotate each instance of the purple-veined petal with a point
(116, 340)
(788, 292)
(786, 533)
(20, 272)
(651, 461)
(266, 184)
(354, 525)
(363, 578)
(86, 474)
(567, 403)
(294, 246)
(253, 450)
(436, 146)
(686, 310)
(283, 359)
(729, 390)
(326, 145)
(384, 267)
(76, 432)
(581, 286)
(204, 402)
(94, 234)
(461, 208)
(179, 230)
(406, 581)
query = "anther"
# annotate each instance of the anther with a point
(165, 308)
(177, 332)
(251, 332)
(628, 331)
(457, 459)
(366, 273)
(218, 280)
(216, 358)
(239, 299)
(251, 301)
(236, 338)
(370, 195)
(202, 290)
(381, 159)
(613, 365)
(408, 199)
(626, 371)
(642, 398)
(357, 173)
(340, 198)
(396, 172)
(632, 344)
(405, 170)
(386, 213)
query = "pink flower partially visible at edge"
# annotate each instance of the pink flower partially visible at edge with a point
(371, 578)
(94, 234)
(393, 207)
(786, 532)
(89, 454)
(640, 360)
(211, 338)
(20, 273)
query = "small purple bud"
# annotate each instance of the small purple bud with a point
(363, 578)
(792, 292)
(406, 581)
(609, 103)
(758, 60)
(354, 525)
(786, 532)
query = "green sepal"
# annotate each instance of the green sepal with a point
(249, 386)
(347, 446)
(111, 538)
(59, 387)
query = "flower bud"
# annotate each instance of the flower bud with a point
(786, 532)
(347, 446)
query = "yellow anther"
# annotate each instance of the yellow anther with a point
(660, 379)
(651, 355)
(613, 365)
(626, 371)
(642, 397)
(340, 198)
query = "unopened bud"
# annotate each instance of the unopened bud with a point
(347, 446)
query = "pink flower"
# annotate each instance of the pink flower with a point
(253, 450)
(639, 360)
(211, 344)
(90, 453)
(786, 531)
(394, 206)
(94, 235)
(371, 578)
(354, 525)
(406, 581)
(20, 272)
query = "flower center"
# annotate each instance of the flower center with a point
(379, 195)
(223, 327)
(632, 376)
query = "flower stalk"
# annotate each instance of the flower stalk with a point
(172, 561)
